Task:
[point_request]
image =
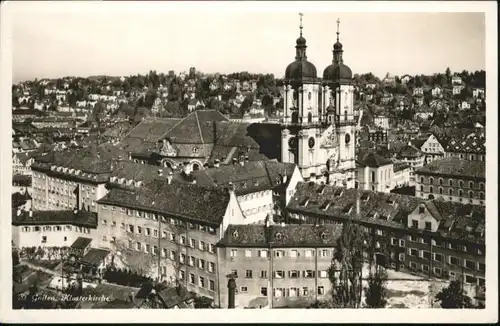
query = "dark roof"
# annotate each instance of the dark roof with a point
(301, 70)
(151, 130)
(182, 200)
(336, 72)
(250, 177)
(374, 160)
(23, 180)
(277, 236)
(168, 296)
(116, 304)
(137, 171)
(81, 243)
(340, 203)
(419, 142)
(471, 143)
(81, 218)
(94, 256)
(196, 128)
(400, 166)
(19, 199)
(454, 166)
(409, 151)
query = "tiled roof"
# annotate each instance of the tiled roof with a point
(151, 130)
(183, 200)
(374, 160)
(409, 151)
(81, 218)
(471, 143)
(277, 236)
(24, 180)
(137, 172)
(95, 256)
(196, 128)
(400, 166)
(457, 220)
(81, 243)
(454, 166)
(251, 177)
(340, 203)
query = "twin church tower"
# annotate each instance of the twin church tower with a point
(318, 124)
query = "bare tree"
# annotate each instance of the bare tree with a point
(137, 261)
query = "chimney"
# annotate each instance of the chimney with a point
(31, 213)
(230, 187)
(282, 223)
(217, 163)
(160, 172)
(170, 177)
(187, 168)
(75, 211)
(18, 212)
(284, 178)
(231, 285)
(357, 204)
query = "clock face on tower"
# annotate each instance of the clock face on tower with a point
(292, 142)
(311, 142)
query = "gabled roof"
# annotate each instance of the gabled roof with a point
(81, 243)
(95, 256)
(81, 218)
(196, 128)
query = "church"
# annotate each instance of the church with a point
(319, 126)
(317, 131)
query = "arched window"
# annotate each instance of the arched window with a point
(295, 117)
(461, 156)
(421, 179)
(471, 184)
(345, 115)
(309, 117)
(471, 194)
(450, 192)
(196, 166)
(422, 188)
(440, 190)
(450, 182)
(440, 181)
(481, 186)
(373, 176)
(461, 184)
(431, 180)
(481, 195)
(460, 193)
(431, 190)
(472, 157)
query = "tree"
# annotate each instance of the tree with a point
(453, 297)
(447, 73)
(375, 291)
(138, 262)
(346, 268)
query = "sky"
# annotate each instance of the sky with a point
(54, 40)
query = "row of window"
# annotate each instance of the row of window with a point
(254, 195)
(193, 243)
(56, 228)
(155, 217)
(294, 253)
(469, 264)
(435, 243)
(263, 208)
(451, 183)
(450, 274)
(200, 281)
(287, 292)
(451, 192)
(280, 274)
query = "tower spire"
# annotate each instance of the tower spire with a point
(300, 26)
(338, 28)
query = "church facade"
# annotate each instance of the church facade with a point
(319, 126)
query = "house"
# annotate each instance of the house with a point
(301, 256)
(467, 147)
(418, 91)
(163, 296)
(452, 179)
(51, 228)
(429, 238)
(193, 104)
(386, 98)
(478, 92)
(437, 92)
(405, 79)
(411, 155)
(381, 121)
(456, 80)
(432, 146)
(96, 259)
(370, 86)
(173, 220)
(457, 89)
(401, 175)
(374, 172)
(464, 105)
(389, 79)
(424, 112)
(21, 163)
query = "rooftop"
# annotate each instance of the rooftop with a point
(454, 166)
(182, 200)
(81, 243)
(81, 218)
(95, 256)
(277, 236)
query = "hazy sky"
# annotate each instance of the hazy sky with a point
(53, 41)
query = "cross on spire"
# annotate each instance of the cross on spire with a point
(338, 27)
(301, 14)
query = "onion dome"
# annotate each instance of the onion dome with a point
(337, 71)
(301, 69)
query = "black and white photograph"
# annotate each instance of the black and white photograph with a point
(249, 155)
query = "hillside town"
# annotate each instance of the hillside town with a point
(196, 190)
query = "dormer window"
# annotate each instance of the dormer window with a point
(235, 234)
(323, 236)
(365, 197)
(278, 236)
(421, 209)
(304, 202)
